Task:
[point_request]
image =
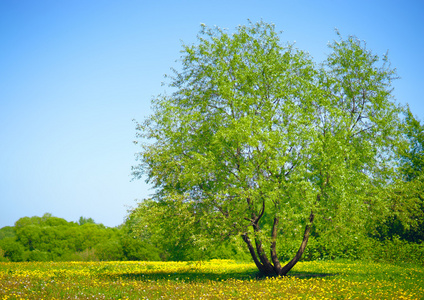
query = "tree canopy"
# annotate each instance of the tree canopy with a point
(259, 142)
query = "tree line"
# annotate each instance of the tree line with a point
(50, 238)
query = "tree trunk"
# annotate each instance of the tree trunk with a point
(258, 264)
(274, 257)
(269, 268)
(263, 264)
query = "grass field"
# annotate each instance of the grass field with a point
(217, 279)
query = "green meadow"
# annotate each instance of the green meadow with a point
(215, 279)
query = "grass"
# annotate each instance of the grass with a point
(217, 279)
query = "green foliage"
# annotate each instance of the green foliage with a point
(156, 225)
(406, 218)
(83, 220)
(12, 250)
(397, 251)
(49, 238)
(7, 231)
(256, 140)
(37, 255)
(406, 215)
(85, 255)
(2, 258)
(135, 249)
(111, 250)
(412, 156)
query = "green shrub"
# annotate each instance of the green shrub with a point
(2, 258)
(85, 255)
(110, 251)
(37, 255)
(395, 250)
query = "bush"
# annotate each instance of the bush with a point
(351, 248)
(2, 258)
(110, 251)
(136, 249)
(395, 250)
(85, 255)
(37, 255)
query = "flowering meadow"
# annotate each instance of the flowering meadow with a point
(216, 279)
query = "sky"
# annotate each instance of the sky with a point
(75, 74)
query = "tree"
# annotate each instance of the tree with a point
(407, 193)
(258, 142)
(412, 157)
(83, 220)
(406, 217)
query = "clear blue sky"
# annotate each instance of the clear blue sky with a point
(73, 75)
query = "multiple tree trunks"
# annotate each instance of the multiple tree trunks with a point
(261, 260)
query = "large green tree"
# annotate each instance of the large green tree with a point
(257, 141)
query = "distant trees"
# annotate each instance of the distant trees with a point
(49, 238)
(52, 238)
(83, 220)
(7, 231)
